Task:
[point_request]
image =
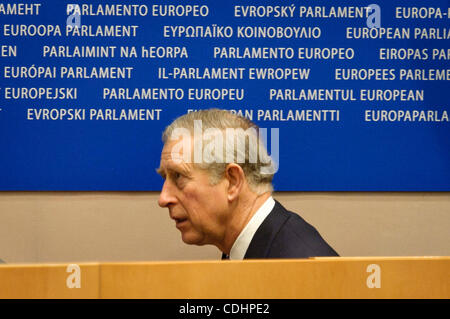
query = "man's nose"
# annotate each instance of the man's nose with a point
(166, 197)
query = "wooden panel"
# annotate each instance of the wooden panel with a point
(408, 277)
(48, 281)
(415, 277)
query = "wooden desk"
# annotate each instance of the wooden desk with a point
(47, 281)
(396, 277)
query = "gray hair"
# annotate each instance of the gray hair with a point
(258, 171)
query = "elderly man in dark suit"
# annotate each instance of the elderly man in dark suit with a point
(218, 189)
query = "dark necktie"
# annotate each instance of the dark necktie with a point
(224, 256)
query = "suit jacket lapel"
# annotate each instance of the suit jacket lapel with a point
(262, 240)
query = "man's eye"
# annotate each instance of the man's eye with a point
(176, 175)
(178, 179)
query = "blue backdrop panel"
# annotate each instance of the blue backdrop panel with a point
(387, 144)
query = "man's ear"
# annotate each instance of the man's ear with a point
(236, 179)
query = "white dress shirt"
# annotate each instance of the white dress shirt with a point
(241, 243)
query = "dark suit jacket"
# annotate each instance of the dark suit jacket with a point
(284, 234)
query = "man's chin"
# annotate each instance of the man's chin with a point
(191, 239)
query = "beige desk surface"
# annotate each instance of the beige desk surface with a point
(398, 277)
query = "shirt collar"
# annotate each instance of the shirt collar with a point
(241, 244)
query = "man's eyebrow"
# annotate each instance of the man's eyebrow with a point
(161, 172)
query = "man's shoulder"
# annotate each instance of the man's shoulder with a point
(295, 237)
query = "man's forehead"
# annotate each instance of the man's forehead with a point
(168, 159)
(173, 157)
(170, 152)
